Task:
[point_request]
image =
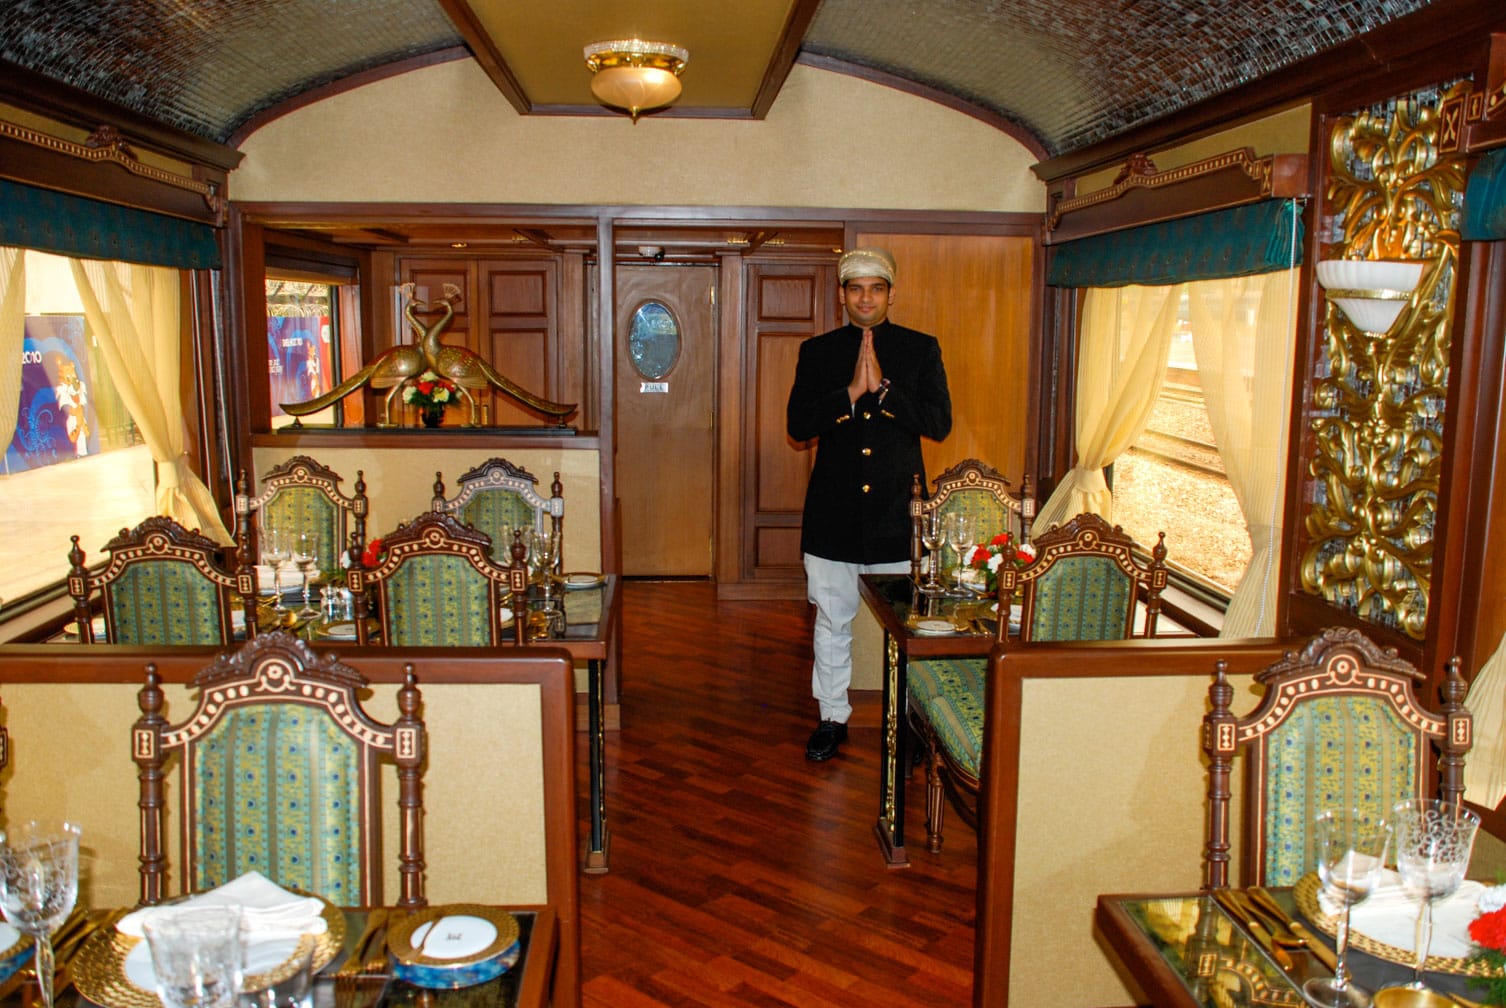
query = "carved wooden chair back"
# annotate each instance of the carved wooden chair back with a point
(498, 497)
(435, 585)
(1339, 723)
(300, 495)
(163, 584)
(977, 490)
(279, 769)
(1084, 584)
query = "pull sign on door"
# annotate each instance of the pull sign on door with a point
(661, 387)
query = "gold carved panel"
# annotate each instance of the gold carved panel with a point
(1377, 400)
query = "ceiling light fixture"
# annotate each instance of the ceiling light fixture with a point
(636, 75)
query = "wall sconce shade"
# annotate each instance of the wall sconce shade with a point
(636, 75)
(1370, 292)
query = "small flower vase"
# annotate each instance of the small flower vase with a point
(432, 416)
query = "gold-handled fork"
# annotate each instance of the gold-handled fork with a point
(372, 979)
(347, 977)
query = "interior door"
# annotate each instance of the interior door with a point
(665, 396)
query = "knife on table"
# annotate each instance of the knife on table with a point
(1230, 902)
(1260, 899)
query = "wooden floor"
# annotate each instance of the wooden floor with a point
(741, 873)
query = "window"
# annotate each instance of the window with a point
(1172, 480)
(302, 346)
(76, 464)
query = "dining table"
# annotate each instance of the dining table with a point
(525, 984)
(1195, 950)
(915, 625)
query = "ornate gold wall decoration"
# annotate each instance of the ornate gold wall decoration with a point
(1378, 399)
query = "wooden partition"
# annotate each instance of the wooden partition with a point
(1093, 782)
(500, 820)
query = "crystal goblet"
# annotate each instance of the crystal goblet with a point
(1433, 844)
(1351, 847)
(39, 885)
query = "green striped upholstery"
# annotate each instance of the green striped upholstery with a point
(437, 600)
(276, 790)
(949, 693)
(307, 509)
(1331, 751)
(1082, 598)
(990, 517)
(490, 510)
(165, 602)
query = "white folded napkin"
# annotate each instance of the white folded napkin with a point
(265, 906)
(1389, 915)
(290, 575)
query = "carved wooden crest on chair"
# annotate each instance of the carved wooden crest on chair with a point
(303, 495)
(279, 773)
(163, 584)
(435, 585)
(978, 490)
(497, 497)
(1340, 723)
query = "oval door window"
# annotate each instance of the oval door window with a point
(654, 341)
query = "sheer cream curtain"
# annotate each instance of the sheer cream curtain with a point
(132, 311)
(1125, 337)
(12, 334)
(1243, 334)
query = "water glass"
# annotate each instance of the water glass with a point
(196, 955)
(39, 885)
(1351, 847)
(278, 973)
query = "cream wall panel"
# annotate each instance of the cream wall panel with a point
(1111, 800)
(400, 484)
(1281, 133)
(483, 790)
(829, 140)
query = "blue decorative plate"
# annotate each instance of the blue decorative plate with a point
(452, 946)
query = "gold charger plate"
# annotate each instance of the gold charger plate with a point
(1306, 894)
(99, 965)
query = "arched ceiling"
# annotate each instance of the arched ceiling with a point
(1063, 74)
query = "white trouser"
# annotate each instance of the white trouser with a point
(832, 587)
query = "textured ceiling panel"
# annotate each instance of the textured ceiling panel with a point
(206, 66)
(1071, 72)
(1074, 72)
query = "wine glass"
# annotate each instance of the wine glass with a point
(933, 538)
(39, 885)
(1351, 847)
(962, 536)
(274, 553)
(1433, 844)
(305, 554)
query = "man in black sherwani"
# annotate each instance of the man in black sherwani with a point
(869, 392)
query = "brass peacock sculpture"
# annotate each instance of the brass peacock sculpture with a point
(396, 366)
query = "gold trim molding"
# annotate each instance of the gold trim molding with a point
(1140, 172)
(107, 146)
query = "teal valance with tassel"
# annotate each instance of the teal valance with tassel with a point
(49, 221)
(1241, 241)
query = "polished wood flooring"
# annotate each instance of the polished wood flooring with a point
(741, 873)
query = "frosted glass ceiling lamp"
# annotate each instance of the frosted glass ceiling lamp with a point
(1370, 292)
(636, 75)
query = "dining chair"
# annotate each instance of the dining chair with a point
(978, 491)
(278, 769)
(1087, 582)
(1339, 723)
(301, 495)
(497, 496)
(434, 585)
(163, 584)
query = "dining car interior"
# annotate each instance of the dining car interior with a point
(401, 526)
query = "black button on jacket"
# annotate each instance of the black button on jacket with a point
(857, 505)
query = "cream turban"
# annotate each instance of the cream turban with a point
(865, 262)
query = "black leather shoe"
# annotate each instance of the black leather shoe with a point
(825, 739)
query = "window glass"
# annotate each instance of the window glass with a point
(1173, 481)
(302, 347)
(654, 341)
(76, 464)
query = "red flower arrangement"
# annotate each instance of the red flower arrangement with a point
(1488, 931)
(372, 555)
(989, 557)
(429, 391)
